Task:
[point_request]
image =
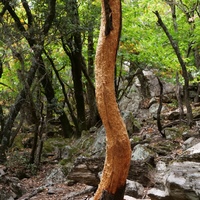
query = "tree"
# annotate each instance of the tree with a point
(35, 41)
(183, 66)
(72, 44)
(118, 150)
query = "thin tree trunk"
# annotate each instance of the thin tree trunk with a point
(197, 97)
(93, 113)
(178, 96)
(183, 66)
(74, 51)
(145, 91)
(78, 90)
(160, 128)
(1, 121)
(118, 150)
(63, 118)
(14, 110)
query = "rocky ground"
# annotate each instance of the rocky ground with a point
(151, 156)
(161, 168)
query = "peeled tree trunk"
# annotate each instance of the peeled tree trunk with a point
(118, 149)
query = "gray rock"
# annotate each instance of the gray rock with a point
(140, 152)
(154, 108)
(192, 154)
(189, 134)
(65, 152)
(140, 171)
(99, 145)
(10, 188)
(86, 170)
(130, 102)
(181, 182)
(55, 176)
(159, 175)
(157, 194)
(188, 143)
(134, 189)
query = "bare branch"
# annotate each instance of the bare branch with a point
(50, 17)
(28, 12)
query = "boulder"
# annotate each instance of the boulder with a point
(86, 170)
(10, 187)
(180, 182)
(183, 181)
(192, 154)
(134, 189)
(55, 176)
(142, 163)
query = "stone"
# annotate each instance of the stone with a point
(99, 145)
(10, 187)
(157, 194)
(159, 175)
(181, 182)
(130, 102)
(174, 115)
(192, 154)
(134, 189)
(189, 134)
(140, 171)
(86, 170)
(186, 135)
(55, 176)
(188, 142)
(140, 152)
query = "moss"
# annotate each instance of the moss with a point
(51, 143)
(63, 161)
(173, 133)
(136, 139)
(17, 144)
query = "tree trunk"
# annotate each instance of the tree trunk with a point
(160, 128)
(145, 91)
(78, 90)
(93, 113)
(178, 96)
(118, 150)
(63, 118)
(74, 51)
(183, 67)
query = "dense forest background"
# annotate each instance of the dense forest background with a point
(47, 51)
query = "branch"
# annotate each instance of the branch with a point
(173, 43)
(183, 66)
(15, 17)
(28, 13)
(4, 10)
(19, 24)
(159, 109)
(50, 17)
(63, 89)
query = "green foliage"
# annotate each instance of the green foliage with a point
(144, 41)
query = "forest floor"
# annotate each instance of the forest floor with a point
(37, 190)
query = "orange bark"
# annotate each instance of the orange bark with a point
(118, 150)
